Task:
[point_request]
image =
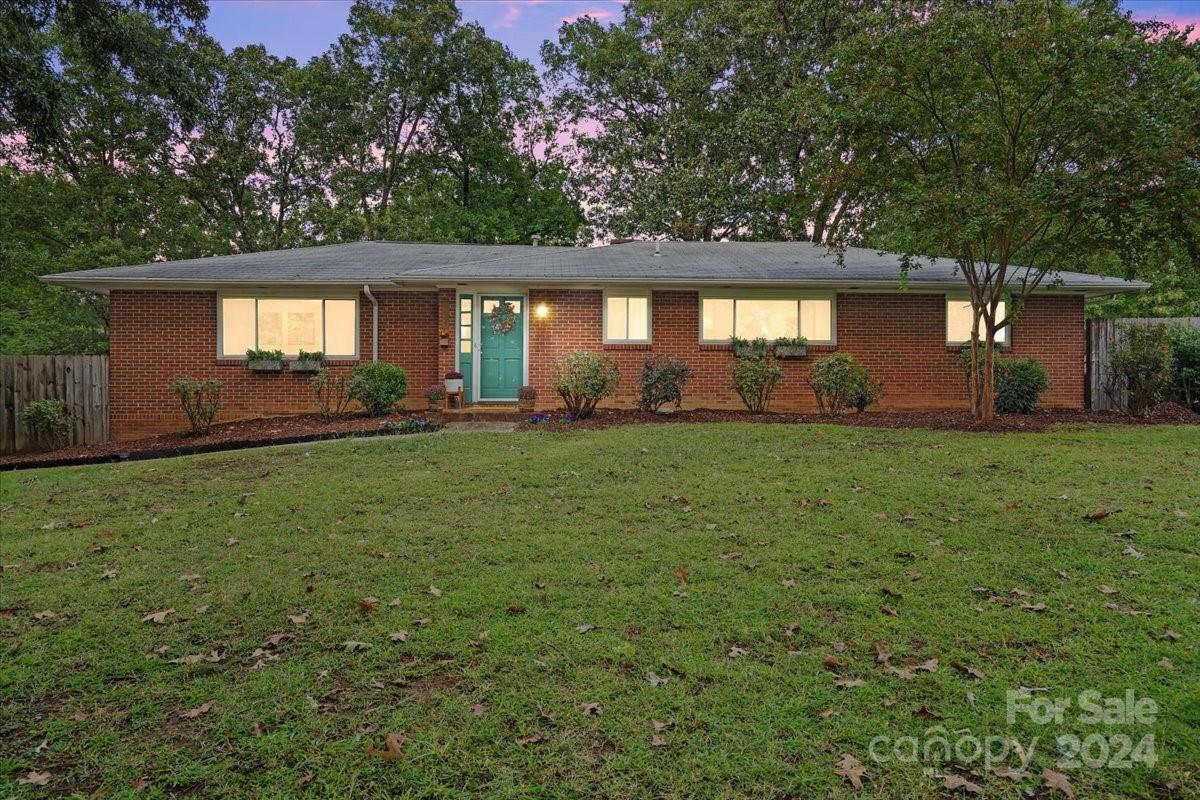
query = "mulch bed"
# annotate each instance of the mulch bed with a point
(226, 436)
(311, 428)
(1041, 420)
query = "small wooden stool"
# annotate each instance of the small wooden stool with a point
(455, 394)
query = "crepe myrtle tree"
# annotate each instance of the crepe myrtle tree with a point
(1018, 139)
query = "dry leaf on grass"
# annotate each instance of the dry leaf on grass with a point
(655, 680)
(1011, 773)
(681, 572)
(738, 652)
(399, 636)
(532, 738)
(891, 612)
(391, 747)
(198, 711)
(1056, 780)
(479, 709)
(661, 725)
(1098, 514)
(366, 605)
(1105, 589)
(36, 779)
(1036, 608)
(351, 646)
(590, 709)
(851, 769)
(304, 780)
(158, 617)
(108, 575)
(298, 619)
(849, 683)
(967, 669)
(954, 782)
(657, 741)
(585, 627)
(435, 591)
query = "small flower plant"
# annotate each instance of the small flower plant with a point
(527, 393)
(412, 425)
(436, 393)
(545, 418)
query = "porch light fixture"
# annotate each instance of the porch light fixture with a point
(542, 311)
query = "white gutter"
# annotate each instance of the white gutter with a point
(374, 322)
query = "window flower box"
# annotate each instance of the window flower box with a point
(264, 360)
(743, 348)
(791, 348)
(436, 395)
(307, 362)
(454, 382)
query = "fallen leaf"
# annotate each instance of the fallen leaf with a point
(832, 664)
(298, 619)
(1166, 663)
(892, 593)
(304, 780)
(655, 680)
(1174, 636)
(479, 709)
(351, 646)
(532, 738)
(108, 575)
(1098, 514)
(231, 542)
(1056, 780)
(851, 769)
(158, 617)
(399, 636)
(36, 779)
(849, 683)
(590, 709)
(1015, 592)
(366, 605)
(1036, 608)
(826, 713)
(882, 656)
(516, 609)
(1012, 773)
(737, 652)
(927, 712)
(1108, 590)
(192, 713)
(954, 782)
(790, 630)
(435, 591)
(971, 699)
(681, 572)
(967, 669)
(258, 730)
(788, 583)
(585, 627)
(391, 747)
(891, 612)
(48, 614)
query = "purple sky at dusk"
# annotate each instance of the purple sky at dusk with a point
(304, 28)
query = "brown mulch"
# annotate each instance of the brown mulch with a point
(236, 435)
(1041, 420)
(310, 428)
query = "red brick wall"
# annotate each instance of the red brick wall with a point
(155, 335)
(899, 337)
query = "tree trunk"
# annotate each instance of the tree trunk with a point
(987, 402)
(973, 383)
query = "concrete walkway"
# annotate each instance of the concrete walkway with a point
(480, 426)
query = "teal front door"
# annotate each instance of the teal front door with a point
(501, 346)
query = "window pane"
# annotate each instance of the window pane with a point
(959, 319)
(768, 319)
(816, 320)
(718, 318)
(464, 304)
(489, 306)
(639, 318)
(289, 325)
(618, 318)
(340, 327)
(237, 325)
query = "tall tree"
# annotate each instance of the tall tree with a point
(1018, 138)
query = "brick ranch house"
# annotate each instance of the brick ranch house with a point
(426, 307)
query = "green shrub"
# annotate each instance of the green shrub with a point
(48, 421)
(200, 399)
(582, 379)
(840, 382)
(662, 381)
(264, 355)
(1018, 383)
(1185, 378)
(1140, 366)
(791, 341)
(755, 379)
(378, 386)
(332, 393)
(304, 355)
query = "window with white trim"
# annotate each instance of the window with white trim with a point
(767, 317)
(626, 317)
(960, 318)
(290, 324)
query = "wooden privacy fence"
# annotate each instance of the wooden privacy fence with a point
(81, 382)
(1103, 335)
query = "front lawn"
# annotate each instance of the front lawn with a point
(522, 609)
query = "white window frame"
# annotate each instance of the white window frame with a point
(769, 294)
(285, 295)
(1006, 331)
(627, 293)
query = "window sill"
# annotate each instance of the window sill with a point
(628, 346)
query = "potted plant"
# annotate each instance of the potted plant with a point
(526, 398)
(435, 394)
(786, 347)
(308, 362)
(743, 348)
(454, 382)
(444, 337)
(264, 360)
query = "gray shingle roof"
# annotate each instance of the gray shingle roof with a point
(718, 263)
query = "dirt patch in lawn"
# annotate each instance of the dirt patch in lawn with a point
(227, 436)
(1041, 420)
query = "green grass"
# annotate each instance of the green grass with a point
(530, 535)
